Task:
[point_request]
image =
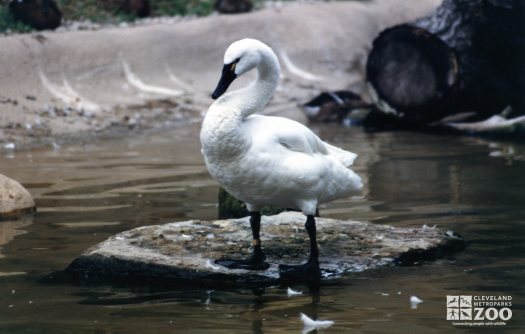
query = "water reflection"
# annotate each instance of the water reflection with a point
(87, 193)
(251, 305)
(9, 229)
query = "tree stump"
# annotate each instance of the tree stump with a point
(465, 56)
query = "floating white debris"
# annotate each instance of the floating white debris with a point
(414, 301)
(310, 324)
(10, 146)
(185, 236)
(495, 123)
(211, 266)
(380, 236)
(451, 234)
(384, 294)
(426, 227)
(292, 292)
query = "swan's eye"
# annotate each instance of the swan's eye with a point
(234, 64)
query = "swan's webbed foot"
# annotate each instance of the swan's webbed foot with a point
(254, 262)
(308, 271)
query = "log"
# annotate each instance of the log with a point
(462, 57)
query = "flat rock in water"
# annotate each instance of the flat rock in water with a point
(185, 251)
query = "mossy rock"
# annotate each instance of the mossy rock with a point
(230, 207)
(183, 253)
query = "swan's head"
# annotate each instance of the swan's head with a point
(240, 57)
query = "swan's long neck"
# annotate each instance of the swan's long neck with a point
(222, 133)
(254, 97)
(257, 95)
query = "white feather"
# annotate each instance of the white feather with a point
(292, 292)
(311, 324)
(414, 301)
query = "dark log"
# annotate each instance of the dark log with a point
(464, 56)
(39, 14)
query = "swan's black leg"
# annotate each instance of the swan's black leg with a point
(256, 260)
(310, 270)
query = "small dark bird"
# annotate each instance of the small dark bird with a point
(333, 106)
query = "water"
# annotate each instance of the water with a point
(88, 193)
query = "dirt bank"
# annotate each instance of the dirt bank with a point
(77, 85)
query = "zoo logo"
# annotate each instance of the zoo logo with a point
(473, 308)
(459, 307)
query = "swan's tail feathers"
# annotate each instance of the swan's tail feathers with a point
(346, 158)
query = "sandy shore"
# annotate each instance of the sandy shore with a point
(70, 86)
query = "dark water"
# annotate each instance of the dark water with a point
(87, 193)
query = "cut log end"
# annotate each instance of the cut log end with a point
(411, 69)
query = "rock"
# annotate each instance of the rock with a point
(233, 6)
(39, 14)
(184, 252)
(15, 200)
(141, 8)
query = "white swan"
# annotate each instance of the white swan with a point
(264, 160)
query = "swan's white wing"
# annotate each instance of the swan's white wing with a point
(301, 141)
(290, 134)
(296, 137)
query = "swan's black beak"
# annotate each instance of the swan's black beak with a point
(227, 77)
